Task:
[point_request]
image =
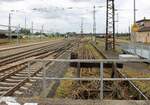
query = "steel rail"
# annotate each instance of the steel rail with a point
(11, 91)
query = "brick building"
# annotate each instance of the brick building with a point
(143, 34)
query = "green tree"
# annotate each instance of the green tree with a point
(24, 31)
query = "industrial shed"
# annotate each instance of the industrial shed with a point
(143, 34)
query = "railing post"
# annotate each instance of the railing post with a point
(142, 49)
(131, 48)
(149, 52)
(44, 76)
(29, 69)
(101, 78)
(78, 69)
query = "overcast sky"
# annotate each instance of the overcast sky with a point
(65, 15)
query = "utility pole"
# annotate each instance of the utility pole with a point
(25, 23)
(129, 29)
(94, 23)
(134, 11)
(117, 23)
(9, 27)
(32, 27)
(110, 25)
(81, 27)
(18, 29)
(41, 31)
(134, 33)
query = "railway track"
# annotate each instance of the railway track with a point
(22, 60)
(22, 46)
(141, 95)
(87, 89)
(15, 77)
(26, 54)
(112, 90)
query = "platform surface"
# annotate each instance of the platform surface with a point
(48, 101)
(89, 102)
(86, 102)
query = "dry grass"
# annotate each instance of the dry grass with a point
(66, 86)
(70, 89)
(144, 86)
(95, 53)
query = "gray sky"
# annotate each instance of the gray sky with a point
(65, 15)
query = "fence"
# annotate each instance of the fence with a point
(101, 69)
(138, 49)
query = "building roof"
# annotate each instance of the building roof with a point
(143, 20)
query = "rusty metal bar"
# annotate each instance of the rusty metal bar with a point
(101, 78)
(44, 76)
(92, 60)
(29, 69)
(96, 79)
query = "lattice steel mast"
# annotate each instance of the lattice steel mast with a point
(110, 25)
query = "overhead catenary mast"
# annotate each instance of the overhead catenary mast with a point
(9, 26)
(134, 25)
(94, 23)
(42, 31)
(81, 27)
(110, 25)
(25, 23)
(32, 27)
(134, 11)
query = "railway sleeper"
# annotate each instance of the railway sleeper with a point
(28, 84)
(26, 72)
(12, 80)
(39, 75)
(18, 93)
(2, 92)
(18, 78)
(7, 84)
(4, 88)
(21, 75)
(32, 80)
(23, 88)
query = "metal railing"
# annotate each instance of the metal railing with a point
(139, 49)
(101, 70)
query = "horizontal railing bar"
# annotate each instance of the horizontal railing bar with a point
(97, 79)
(92, 60)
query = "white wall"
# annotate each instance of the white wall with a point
(143, 37)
